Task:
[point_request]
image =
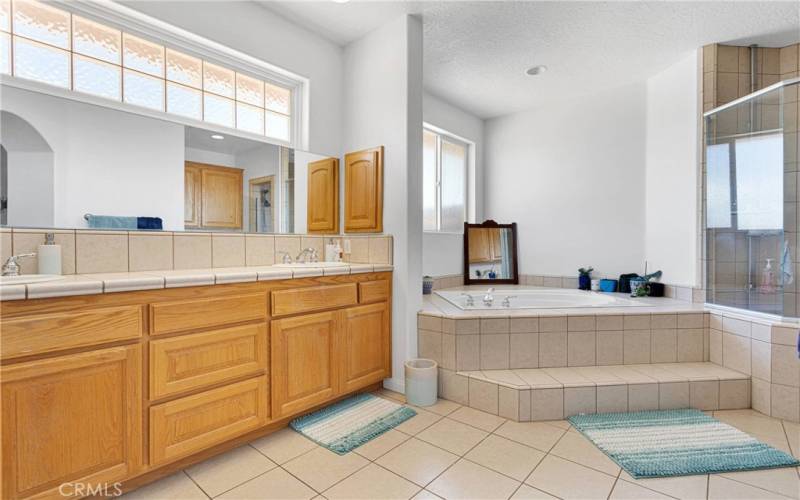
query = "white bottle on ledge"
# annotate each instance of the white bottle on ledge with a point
(49, 256)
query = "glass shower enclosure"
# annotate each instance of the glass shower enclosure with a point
(750, 199)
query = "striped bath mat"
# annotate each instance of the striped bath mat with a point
(676, 443)
(352, 422)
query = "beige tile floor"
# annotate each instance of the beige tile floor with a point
(450, 451)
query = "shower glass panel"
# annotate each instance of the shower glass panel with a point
(751, 201)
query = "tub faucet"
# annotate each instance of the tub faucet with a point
(469, 301)
(488, 299)
(507, 300)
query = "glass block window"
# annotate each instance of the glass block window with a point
(41, 62)
(444, 177)
(50, 45)
(96, 77)
(95, 40)
(184, 69)
(184, 101)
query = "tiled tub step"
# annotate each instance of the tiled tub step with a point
(556, 393)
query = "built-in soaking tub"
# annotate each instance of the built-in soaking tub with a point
(538, 298)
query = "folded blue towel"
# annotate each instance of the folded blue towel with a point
(111, 222)
(149, 223)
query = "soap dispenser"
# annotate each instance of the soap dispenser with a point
(330, 251)
(49, 255)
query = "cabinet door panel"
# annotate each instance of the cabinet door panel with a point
(366, 349)
(222, 195)
(303, 363)
(192, 361)
(182, 315)
(191, 196)
(363, 191)
(42, 333)
(194, 423)
(75, 418)
(323, 196)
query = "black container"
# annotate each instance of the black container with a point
(656, 290)
(624, 285)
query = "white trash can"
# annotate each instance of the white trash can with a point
(421, 382)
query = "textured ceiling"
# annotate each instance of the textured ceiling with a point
(476, 53)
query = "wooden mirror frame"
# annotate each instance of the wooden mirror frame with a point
(490, 224)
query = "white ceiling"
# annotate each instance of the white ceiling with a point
(198, 138)
(476, 53)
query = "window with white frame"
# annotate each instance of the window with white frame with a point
(444, 176)
(49, 45)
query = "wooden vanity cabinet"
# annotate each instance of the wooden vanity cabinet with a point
(304, 352)
(188, 373)
(363, 191)
(366, 346)
(315, 357)
(71, 419)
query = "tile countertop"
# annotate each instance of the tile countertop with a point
(434, 305)
(88, 284)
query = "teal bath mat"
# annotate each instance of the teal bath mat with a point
(676, 443)
(348, 424)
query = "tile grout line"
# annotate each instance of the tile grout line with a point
(455, 462)
(195, 483)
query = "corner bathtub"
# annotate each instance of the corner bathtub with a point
(540, 298)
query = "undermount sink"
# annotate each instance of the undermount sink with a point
(29, 278)
(302, 265)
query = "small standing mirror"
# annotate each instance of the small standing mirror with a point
(490, 253)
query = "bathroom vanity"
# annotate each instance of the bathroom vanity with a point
(130, 386)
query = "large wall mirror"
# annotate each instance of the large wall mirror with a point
(490, 253)
(65, 162)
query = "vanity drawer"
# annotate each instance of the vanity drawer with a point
(45, 333)
(373, 291)
(194, 423)
(169, 317)
(180, 364)
(318, 298)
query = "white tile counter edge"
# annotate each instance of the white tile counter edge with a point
(89, 284)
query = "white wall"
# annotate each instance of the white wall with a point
(106, 162)
(442, 254)
(571, 174)
(30, 189)
(256, 31)
(383, 106)
(28, 163)
(671, 179)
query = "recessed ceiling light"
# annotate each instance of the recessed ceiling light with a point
(218, 137)
(536, 70)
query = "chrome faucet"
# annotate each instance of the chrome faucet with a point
(488, 299)
(310, 252)
(11, 268)
(469, 301)
(285, 257)
(507, 300)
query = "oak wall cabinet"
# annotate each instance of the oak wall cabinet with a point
(484, 245)
(323, 196)
(363, 191)
(213, 196)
